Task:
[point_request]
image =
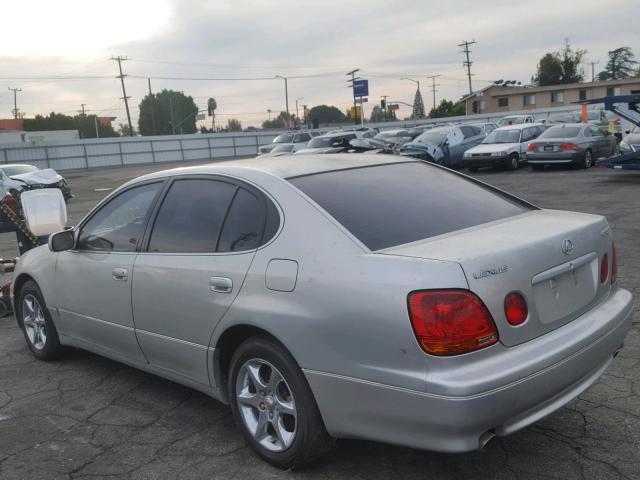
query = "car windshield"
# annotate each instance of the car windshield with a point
(503, 136)
(391, 134)
(398, 203)
(431, 137)
(282, 148)
(18, 170)
(561, 132)
(562, 118)
(511, 121)
(322, 142)
(284, 138)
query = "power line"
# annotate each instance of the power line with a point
(468, 62)
(15, 100)
(119, 59)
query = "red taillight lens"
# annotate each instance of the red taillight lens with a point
(568, 146)
(614, 263)
(450, 322)
(515, 308)
(10, 202)
(532, 147)
(604, 268)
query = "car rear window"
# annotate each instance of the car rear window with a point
(393, 204)
(561, 132)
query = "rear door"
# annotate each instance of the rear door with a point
(199, 249)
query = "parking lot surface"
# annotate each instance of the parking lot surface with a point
(89, 417)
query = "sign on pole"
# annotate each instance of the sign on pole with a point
(361, 88)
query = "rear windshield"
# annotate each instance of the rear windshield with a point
(394, 204)
(561, 132)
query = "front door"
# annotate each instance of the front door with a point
(93, 281)
(199, 250)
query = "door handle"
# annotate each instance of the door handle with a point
(119, 274)
(220, 284)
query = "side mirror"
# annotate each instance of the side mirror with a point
(61, 241)
(627, 132)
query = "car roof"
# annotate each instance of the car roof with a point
(284, 167)
(17, 165)
(520, 126)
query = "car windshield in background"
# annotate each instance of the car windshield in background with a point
(561, 132)
(503, 136)
(563, 118)
(511, 121)
(431, 137)
(321, 142)
(391, 134)
(394, 204)
(282, 148)
(18, 170)
(284, 138)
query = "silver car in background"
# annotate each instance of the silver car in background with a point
(336, 296)
(577, 144)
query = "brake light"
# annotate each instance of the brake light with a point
(515, 308)
(604, 268)
(614, 263)
(532, 147)
(10, 202)
(568, 146)
(450, 322)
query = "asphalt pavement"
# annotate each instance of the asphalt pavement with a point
(88, 417)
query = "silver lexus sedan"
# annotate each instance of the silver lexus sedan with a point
(337, 296)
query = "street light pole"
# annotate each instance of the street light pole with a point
(297, 115)
(286, 97)
(417, 82)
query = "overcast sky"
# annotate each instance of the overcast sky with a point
(316, 41)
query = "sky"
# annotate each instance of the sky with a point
(59, 52)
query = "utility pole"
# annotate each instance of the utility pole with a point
(353, 79)
(173, 123)
(468, 62)
(286, 97)
(119, 59)
(149, 82)
(304, 113)
(82, 112)
(433, 87)
(297, 115)
(95, 124)
(593, 70)
(384, 110)
(15, 101)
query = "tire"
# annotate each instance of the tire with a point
(273, 405)
(513, 162)
(36, 323)
(587, 161)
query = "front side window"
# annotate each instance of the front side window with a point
(191, 216)
(119, 225)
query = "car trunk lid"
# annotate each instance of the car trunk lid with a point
(551, 257)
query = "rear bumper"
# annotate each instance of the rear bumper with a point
(554, 158)
(456, 414)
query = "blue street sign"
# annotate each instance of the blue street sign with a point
(361, 88)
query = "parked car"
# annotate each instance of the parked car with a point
(330, 143)
(571, 143)
(360, 132)
(601, 118)
(631, 142)
(444, 145)
(300, 138)
(395, 138)
(380, 309)
(504, 147)
(515, 120)
(17, 175)
(283, 149)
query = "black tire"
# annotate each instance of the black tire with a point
(587, 160)
(50, 348)
(311, 439)
(513, 162)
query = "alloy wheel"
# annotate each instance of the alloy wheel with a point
(266, 405)
(587, 159)
(34, 321)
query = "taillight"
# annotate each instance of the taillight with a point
(532, 147)
(568, 146)
(604, 268)
(10, 202)
(614, 263)
(515, 308)
(450, 322)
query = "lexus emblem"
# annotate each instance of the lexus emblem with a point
(567, 246)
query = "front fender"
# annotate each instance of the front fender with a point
(38, 264)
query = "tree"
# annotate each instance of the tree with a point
(211, 111)
(560, 67)
(124, 131)
(321, 114)
(156, 113)
(85, 124)
(280, 121)
(447, 109)
(234, 125)
(418, 106)
(377, 114)
(621, 64)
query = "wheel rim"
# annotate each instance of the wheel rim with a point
(266, 405)
(514, 163)
(587, 159)
(34, 323)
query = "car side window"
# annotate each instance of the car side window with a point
(191, 216)
(119, 224)
(244, 224)
(469, 131)
(298, 138)
(528, 134)
(596, 132)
